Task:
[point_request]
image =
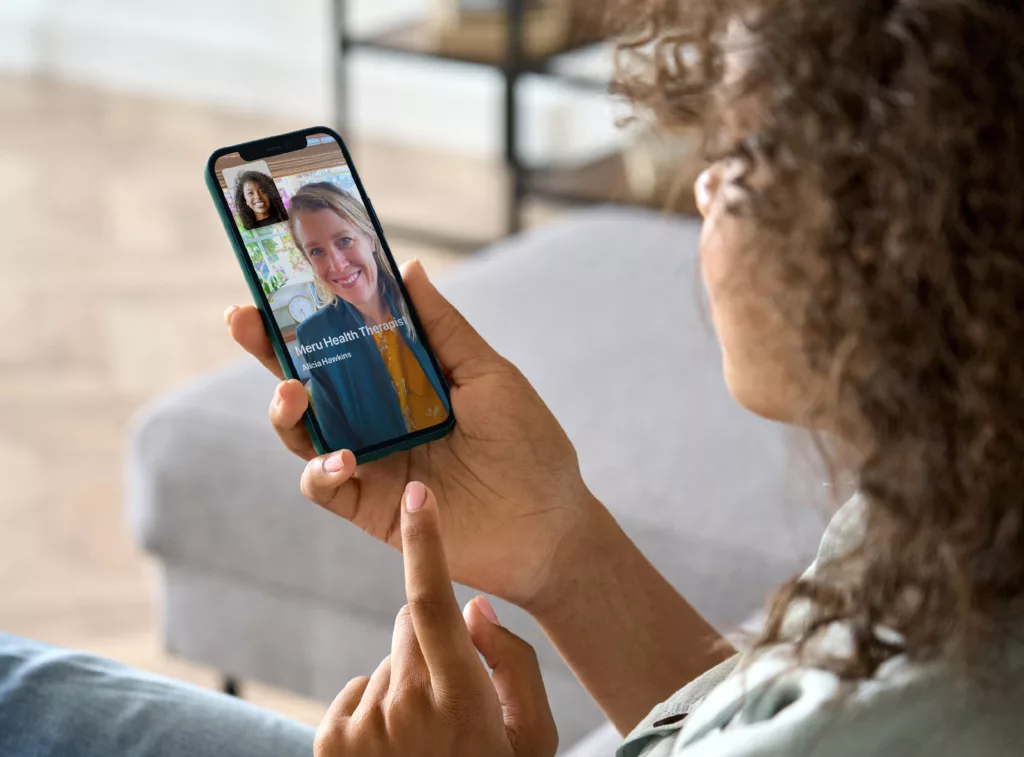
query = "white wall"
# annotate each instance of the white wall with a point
(276, 56)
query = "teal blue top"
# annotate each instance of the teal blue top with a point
(353, 397)
(776, 706)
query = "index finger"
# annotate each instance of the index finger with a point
(246, 326)
(436, 615)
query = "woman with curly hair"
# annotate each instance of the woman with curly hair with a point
(257, 201)
(863, 250)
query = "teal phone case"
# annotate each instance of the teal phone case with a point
(259, 298)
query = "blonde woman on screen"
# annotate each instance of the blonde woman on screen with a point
(384, 386)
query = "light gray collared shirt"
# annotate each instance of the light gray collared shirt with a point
(777, 706)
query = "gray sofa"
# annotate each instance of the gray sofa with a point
(602, 312)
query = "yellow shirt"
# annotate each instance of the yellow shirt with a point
(421, 407)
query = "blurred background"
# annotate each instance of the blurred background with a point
(466, 123)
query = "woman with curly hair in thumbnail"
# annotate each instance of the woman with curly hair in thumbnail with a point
(257, 200)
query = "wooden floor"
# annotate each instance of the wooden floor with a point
(115, 275)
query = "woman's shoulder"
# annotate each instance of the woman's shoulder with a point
(777, 705)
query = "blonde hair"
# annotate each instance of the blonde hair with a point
(323, 195)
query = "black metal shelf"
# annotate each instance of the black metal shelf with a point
(411, 41)
(601, 181)
(418, 38)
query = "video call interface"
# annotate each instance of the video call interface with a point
(334, 295)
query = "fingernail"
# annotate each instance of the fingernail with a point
(334, 463)
(415, 496)
(487, 609)
(229, 313)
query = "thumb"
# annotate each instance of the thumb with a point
(515, 673)
(453, 340)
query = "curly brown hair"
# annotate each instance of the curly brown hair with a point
(906, 117)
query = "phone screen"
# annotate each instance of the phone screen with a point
(333, 290)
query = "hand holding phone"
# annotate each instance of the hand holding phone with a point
(508, 477)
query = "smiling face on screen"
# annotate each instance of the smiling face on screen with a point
(257, 200)
(341, 254)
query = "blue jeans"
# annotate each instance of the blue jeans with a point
(56, 703)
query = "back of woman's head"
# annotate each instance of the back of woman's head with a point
(903, 120)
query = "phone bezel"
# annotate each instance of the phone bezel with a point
(292, 142)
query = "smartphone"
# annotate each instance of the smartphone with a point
(322, 275)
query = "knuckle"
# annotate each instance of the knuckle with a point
(305, 485)
(447, 326)
(458, 704)
(529, 652)
(404, 625)
(428, 608)
(403, 621)
(521, 649)
(420, 535)
(368, 726)
(308, 483)
(316, 469)
(358, 682)
(330, 740)
(445, 319)
(415, 532)
(408, 703)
